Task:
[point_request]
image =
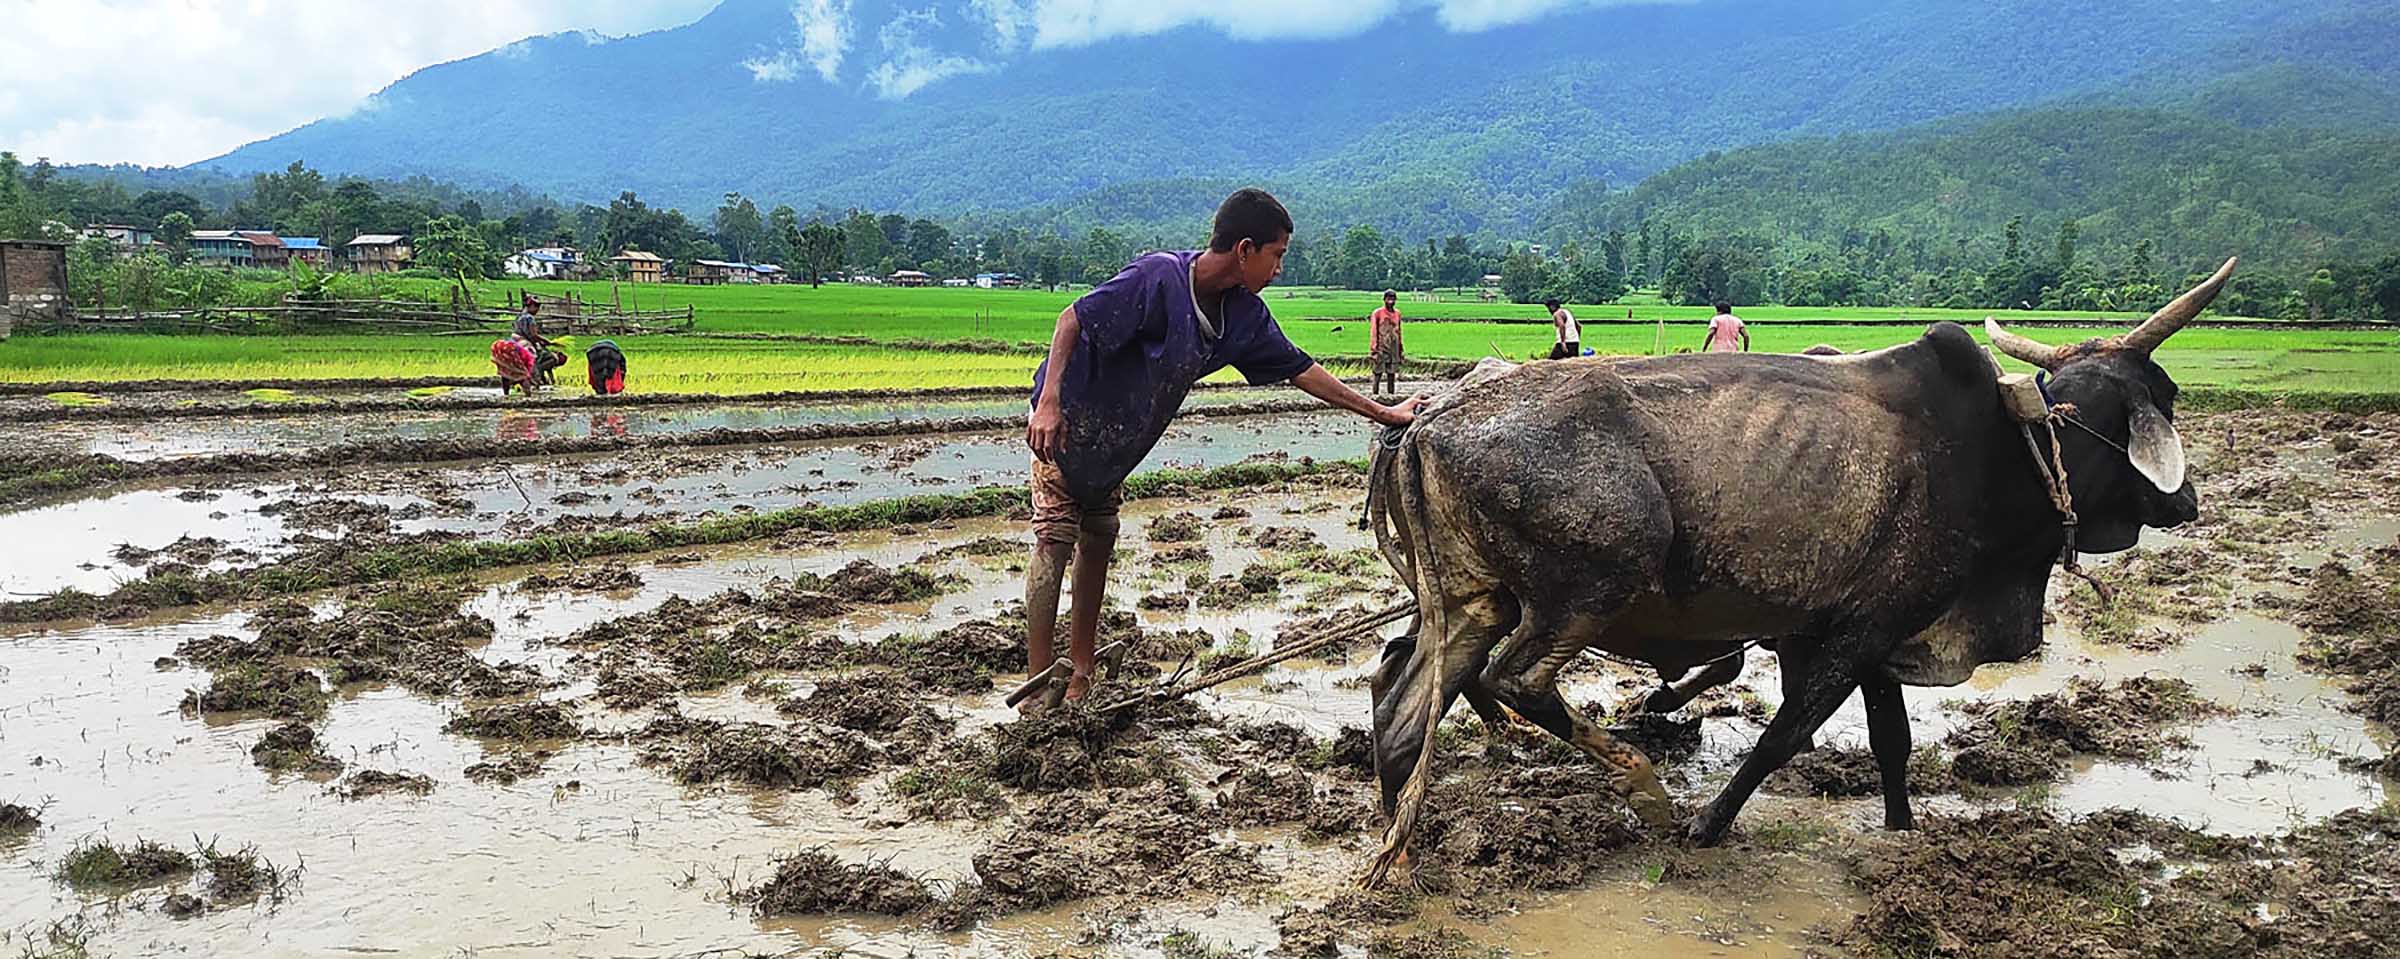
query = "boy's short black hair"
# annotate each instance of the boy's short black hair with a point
(1552, 305)
(1249, 214)
(1722, 307)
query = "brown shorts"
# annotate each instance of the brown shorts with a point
(1057, 517)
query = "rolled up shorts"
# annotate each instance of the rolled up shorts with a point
(1057, 517)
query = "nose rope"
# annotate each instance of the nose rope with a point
(2054, 482)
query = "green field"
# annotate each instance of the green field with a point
(1326, 323)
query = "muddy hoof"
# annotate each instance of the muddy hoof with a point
(1705, 831)
(1664, 699)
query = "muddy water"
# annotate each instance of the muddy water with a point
(597, 855)
(303, 429)
(77, 536)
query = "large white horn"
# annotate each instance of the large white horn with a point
(2173, 316)
(2039, 354)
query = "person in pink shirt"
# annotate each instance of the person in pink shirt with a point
(1726, 332)
(1383, 343)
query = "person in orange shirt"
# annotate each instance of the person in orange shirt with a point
(1383, 344)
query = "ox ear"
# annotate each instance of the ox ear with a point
(2155, 448)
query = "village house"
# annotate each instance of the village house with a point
(542, 263)
(769, 273)
(713, 272)
(999, 281)
(307, 249)
(640, 267)
(225, 248)
(376, 253)
(266, 249)
(128, 238)
(911, 278)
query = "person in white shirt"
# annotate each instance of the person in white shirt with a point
(1570, 333)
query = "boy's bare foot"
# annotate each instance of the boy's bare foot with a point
(1079, 686)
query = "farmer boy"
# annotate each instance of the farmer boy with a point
(1121, 360)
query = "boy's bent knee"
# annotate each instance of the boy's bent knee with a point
(1099, 526)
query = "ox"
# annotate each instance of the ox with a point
(1880, 515)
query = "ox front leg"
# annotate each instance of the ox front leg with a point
(1811, 698)
(1887, 735)
(1524, 675)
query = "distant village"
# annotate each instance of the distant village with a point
(390, 253)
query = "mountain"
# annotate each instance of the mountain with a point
(1407, 124)
(2197, 187)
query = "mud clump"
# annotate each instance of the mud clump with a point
(1534, 827)
(1286, 538)
(1831, 772)
(865, 582)
(244, 875)
(1266, 796)
(292, 747)
(1257, 583)
(699, 751)
(1176, 528)
(97, 864)
(368, 783)
(604, 578)
(354, 516)
(2353, 619)
(2027, 741)
(1350, 751)
(2018, 883)
(281, 691)
(18, 818)
(524, 722)
(953, 784)
(868, 704)
(182, 905)
(1151, 841)
(1066, 748)
(1350, 917)
(814, 883)
(508, 769)
(1229, 512)
(410, 633)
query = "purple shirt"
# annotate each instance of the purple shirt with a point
(1144, 343)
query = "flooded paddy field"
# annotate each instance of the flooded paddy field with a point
(228, 520)
(797, 744)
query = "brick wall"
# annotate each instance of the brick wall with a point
(33, 279)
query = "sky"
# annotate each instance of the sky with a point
(170, 82)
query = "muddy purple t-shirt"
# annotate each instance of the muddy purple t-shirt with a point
(1144, 343)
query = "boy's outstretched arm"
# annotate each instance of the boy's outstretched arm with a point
(1315, 381)
(1046, 429)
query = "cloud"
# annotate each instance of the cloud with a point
(909, 62)
(128, 81)
(1043, 24)
(822, 29)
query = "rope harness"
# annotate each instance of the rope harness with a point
(2053, 471)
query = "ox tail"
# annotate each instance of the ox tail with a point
(1424, 571)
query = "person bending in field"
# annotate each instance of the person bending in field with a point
(604, 366)
(1726, 332)
(1570, 333)
(1383, 344)
(515, 363)
(546, 354)
(1121, 360)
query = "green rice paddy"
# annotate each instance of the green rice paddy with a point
(1327, 323)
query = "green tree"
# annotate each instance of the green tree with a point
(927, 242)
(2318, 292)
(1363, 263)
(2386, 289)
(1457, 264)
(739, 226)
(1525, 277)
(1719, 268)
(1591, 281)
(454, 248)
(783, 223)
(863, 241)
(818, 247)
(174, 235)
